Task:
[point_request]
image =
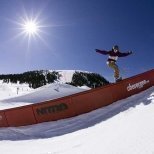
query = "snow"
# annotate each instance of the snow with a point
(66, 75)
(124, 127)
(48, 92)
(8, 90)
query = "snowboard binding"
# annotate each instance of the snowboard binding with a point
(118, 80)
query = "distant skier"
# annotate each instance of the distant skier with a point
(113, 56)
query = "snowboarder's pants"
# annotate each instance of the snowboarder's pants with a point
(113, 65)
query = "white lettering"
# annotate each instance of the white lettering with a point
(137, 85)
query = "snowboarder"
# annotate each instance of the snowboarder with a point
(113, 56)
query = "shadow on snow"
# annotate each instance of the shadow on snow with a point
(66, 126)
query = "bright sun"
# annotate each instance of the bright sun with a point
(30, 28)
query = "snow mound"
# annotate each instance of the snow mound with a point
(44, 93)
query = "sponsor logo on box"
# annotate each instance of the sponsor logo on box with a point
(52, 109)
(137, 85)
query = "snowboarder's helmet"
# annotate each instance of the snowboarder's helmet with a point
(115, 47)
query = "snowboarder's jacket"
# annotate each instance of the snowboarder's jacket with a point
(113, 56)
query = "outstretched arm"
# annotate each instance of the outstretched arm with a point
(125, 54)
(102, 51)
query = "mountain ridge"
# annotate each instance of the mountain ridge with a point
(38, 78)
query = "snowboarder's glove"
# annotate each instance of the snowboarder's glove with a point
(97, 50)
(130, 52)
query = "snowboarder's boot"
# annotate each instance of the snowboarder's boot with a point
(119, 79)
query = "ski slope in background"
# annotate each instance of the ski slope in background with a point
(44, 93)
(15, 95)
(125, 126)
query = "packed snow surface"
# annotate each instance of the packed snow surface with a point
(124, 127)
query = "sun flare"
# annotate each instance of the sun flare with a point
(30, 27)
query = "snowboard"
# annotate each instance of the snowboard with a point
(118, 80)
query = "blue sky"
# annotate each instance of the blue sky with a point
(72, 30)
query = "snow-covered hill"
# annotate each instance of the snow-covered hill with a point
(125, 127)
(44, 93)
(14, 95)
(39, 78)
(66, 75)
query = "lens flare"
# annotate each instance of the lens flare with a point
(31, 28)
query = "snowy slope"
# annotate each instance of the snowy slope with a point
(44, 93)
(66, 75)
(14, 95)
(8, 90)
(125, 127)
